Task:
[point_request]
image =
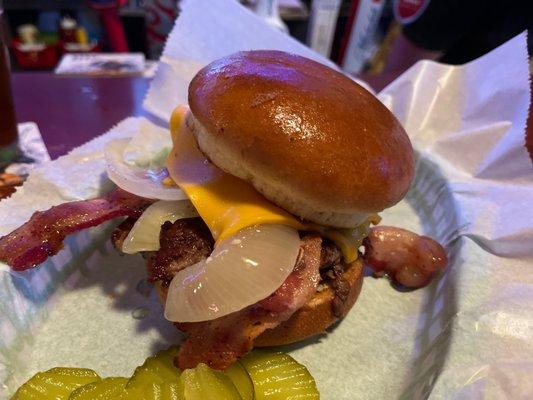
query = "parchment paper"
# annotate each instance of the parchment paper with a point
(467, 336)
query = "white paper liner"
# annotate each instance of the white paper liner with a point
(468, 335)
(32, 147)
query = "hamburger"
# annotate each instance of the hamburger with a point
(285, 164)
(312, 142)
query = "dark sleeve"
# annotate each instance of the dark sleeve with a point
(439, 24)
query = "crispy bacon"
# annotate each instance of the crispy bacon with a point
(301, 284)
(409, 259)
(222, 341)
(42, 236)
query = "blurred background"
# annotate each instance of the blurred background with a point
(365, 37)
(74, 68)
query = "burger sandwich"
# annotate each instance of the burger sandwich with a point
(282, 166)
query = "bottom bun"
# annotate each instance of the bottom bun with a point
(314, 317)
(317, 314)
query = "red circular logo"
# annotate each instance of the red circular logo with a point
(407, 11)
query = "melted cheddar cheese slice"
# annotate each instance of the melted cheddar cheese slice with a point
(226, 203)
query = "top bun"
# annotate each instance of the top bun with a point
(307, 137)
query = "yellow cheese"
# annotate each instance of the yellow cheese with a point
(226, 203)
(347, 240)
(347, 243)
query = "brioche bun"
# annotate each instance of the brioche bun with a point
(311, 319)
(307, 137)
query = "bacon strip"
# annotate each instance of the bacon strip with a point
(42, 236)
(222, 341)
(300, 285)
(409, 259)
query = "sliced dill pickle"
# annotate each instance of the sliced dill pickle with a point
(171, 391)
(55, 384)
(191, 385)
(215, 384)
(157, 391)
(241, 380)
(278, 376)
(203, 382)
(104, 389)
(155, 372)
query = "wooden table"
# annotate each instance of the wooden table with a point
(70, 111)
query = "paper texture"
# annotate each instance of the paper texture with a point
(87, 306)
(469, 335)
(33, 149)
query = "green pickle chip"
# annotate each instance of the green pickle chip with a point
(157, 391)
(55, 384)
(107, 388)
(157, 378)
(172, 391)
(278, 376)
(155, 373)
(260, 375)
(241, 380)
(191, 385)
(203, 382)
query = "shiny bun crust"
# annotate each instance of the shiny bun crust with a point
(310, 139)
(313, 318)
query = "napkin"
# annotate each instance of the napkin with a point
(469, 335)
(32, 147)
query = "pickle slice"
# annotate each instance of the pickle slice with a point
(55, 384)
(166, 391)
(104, 389)
(191, 385)
(215, 384)
(241, 380)
(204, 383)
(157, 391)
(171, 391)
(155, 372)
(277, 376)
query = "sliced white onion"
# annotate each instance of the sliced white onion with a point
(242, 270)
(144, 236)
(143, 182)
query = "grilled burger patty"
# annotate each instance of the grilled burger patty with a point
(188, 241)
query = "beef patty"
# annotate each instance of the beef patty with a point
(188, 241)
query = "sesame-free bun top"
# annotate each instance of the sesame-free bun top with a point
(307, 137)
